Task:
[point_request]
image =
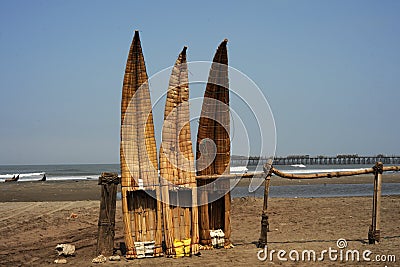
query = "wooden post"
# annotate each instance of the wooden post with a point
(195, 223)
(204, 232)
(130, 247)
(374, 230)
(262, 241)
(158, 249)
(168, 221)
(105, 237)
(227, 221)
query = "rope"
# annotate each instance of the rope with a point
(378, 168)
(109, 178)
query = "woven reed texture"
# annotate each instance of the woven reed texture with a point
(142, 220)
(214, 159)
(138, 150)
(215, 117)
(176, 153)
(138, 156)
(177, 161)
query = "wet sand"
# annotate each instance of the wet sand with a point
(89, 190)
(39, 219)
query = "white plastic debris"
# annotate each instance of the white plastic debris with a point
(114, 258)
(65, 249)
(61, 261)
(144, 249)
(217, 238)
(99, 259)
(140, 184)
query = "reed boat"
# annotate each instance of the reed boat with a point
(177, 170)
(13, 179)
(140, 192)
(213, 149)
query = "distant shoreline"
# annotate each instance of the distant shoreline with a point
(74, 190)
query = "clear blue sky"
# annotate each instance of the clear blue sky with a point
(329, 69)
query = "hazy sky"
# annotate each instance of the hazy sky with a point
(329, 69)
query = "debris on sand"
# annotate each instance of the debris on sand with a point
(61, 261)
(114, 258)
(65, 249)
(99, 259)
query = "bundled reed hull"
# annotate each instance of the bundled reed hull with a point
(138, 157)
(177, 166)
(214, 159)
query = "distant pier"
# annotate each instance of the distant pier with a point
(319, 160)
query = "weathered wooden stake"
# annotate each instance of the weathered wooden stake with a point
(158, 250)
(105, 237)
(195, 223)
(374, 233)
(262, 241)
(227, 219)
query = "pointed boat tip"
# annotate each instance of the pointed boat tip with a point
(184, 49)
(223, 43)
(136, 34)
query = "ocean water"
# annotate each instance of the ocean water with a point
(93, 171)
(56, 172)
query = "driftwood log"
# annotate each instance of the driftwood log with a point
(106, 230)
(296, 176)
(331, 174)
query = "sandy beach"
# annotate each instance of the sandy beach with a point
(36, 217)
